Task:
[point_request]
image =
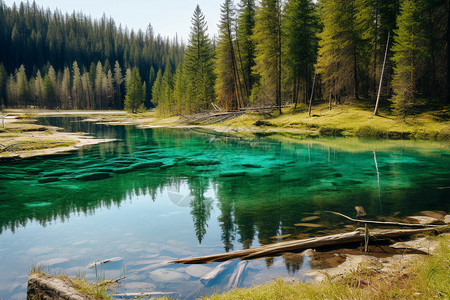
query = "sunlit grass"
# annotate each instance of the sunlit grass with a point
(427, 278)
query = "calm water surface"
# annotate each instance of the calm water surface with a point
(161, 194)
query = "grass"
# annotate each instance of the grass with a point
(427, 278)
(352, 119)
(101, 289)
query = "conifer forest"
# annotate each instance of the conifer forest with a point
(266, 53)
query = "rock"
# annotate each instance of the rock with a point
(46, 287)
(48, 179)
(252, 166)
(447, 219)
(424, 220)
(434, 214)
(421, 244)
(309, 219)
(56, 174)
(312, 225)
(232, 174)
(163, 275)
(123, 170)
(145, 165)
(197, 271)
(202, 162)
(93, 176)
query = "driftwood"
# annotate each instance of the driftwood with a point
(212, 276)
(382, 223)
(237, 275)
(297, 245)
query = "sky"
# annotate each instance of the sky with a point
(168, 17)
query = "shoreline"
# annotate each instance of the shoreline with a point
(21, 138)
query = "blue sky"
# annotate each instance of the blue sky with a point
(167, 17)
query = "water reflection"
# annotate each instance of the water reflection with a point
(241, 192)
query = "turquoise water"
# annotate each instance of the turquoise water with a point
(161, 194)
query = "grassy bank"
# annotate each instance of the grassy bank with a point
(348, 119)
(352, 120)
(427, 278)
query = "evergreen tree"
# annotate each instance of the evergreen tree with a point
(156, 90)
(118, 81)
(99, 89)
(300, 29)
(39, 95)
(23, 92)
(199, 64)
(77, 88)
(343, 53)
(66, 88)
(228, 83)
(245, 43)
(179, 91)
(408, 52)
(3, 81)
(135, 97)
(267, 37)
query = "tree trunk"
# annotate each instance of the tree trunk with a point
(297, 245)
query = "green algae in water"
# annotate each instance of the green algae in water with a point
(205, 195)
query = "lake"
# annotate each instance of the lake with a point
(161, 194)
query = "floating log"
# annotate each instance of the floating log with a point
(297, 245)
(211, 276)
(382, 223)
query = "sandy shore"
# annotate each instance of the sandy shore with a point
(21, 138)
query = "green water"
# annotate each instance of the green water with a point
(160, 194)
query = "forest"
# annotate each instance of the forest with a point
(267, 53)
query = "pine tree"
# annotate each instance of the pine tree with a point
(228, 84)
(246, 45)
(66, 89)
(300, 29)
(199, 64)
(3, 81)
(156, 90)
(118, 81)
(267, 37)
(99, 89)
(77, 88)
(408, 52)
(135, 97)
(343, 54)
(179, 91)
(39, 95)
(23, 92)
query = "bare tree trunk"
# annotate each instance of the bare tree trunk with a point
(381, 77)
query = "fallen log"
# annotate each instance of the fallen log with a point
(382, 223)
(237, 275)
(297, 245)
(214, 274)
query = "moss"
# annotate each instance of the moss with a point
(330, 131)
(370, 132)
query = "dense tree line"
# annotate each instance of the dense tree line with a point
(37, 42)
(267, 53)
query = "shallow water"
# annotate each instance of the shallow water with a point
(162, 194)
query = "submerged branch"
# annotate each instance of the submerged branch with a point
(382, 223)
